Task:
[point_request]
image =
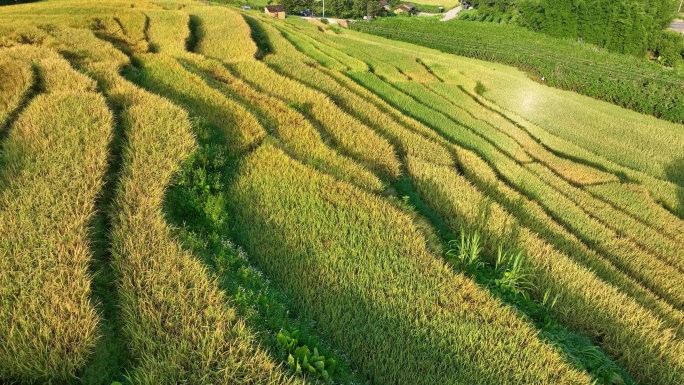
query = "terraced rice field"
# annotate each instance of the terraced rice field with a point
(200, 195)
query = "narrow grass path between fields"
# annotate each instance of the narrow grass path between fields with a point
(110, 357)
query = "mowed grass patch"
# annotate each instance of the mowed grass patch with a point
(629, 333)
(361, 269)
(179, 325)
(53, 164)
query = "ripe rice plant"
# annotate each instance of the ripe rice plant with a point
(500, 140)
(650, 240)
(648, 351)
(89, 53)
(355, 100)
(309, 48)
(622, 252)
(54, 161)
(317, 49)
(351, 136)
(295, 131)
(168, 31)
(575, 173)
(56, 75)
(533, 216)
(16, 80)
(110, 28)
(222, 34)
(179, 325)
(373, 275)
(166, 76)
(663, 192)
(636, 200)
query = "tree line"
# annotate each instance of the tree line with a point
(627, 26)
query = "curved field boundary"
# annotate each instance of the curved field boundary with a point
(353, 137)
(222, 34)
(177, 321)
(355, 102)
(297, 134)
(649, 352)
(168, 31)
(660, 96)
(558, 235)
(373, 277)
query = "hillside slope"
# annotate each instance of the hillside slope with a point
(282, 206)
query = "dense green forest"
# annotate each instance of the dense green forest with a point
(625, 26)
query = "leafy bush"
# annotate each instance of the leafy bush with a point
(300, 359)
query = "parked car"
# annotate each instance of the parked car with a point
(306, 13)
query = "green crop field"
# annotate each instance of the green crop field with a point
(191, 193)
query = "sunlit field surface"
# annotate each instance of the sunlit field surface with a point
(197, 194)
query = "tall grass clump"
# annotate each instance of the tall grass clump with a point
(53, 164)
(361, 269)
(632, 335)
(179, 326)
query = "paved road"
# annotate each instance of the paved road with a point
(451, 14)
(677, 26)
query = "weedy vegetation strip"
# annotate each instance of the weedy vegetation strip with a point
(361, 269)
(637, 340)
(179, 324)
(53, 164)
